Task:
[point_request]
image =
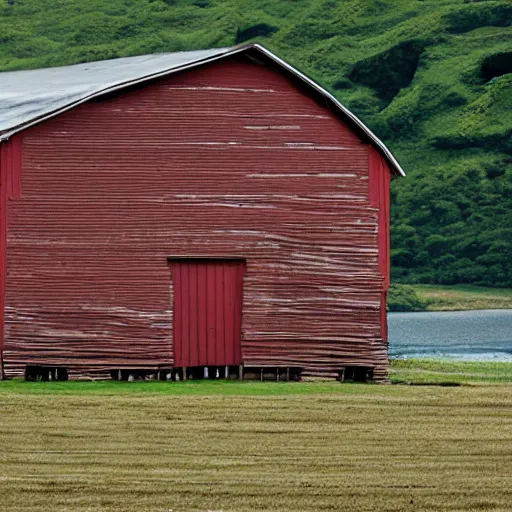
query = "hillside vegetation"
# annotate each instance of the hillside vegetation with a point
(432, 78)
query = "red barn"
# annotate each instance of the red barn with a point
(209, 209)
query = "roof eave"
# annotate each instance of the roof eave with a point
(122, 85)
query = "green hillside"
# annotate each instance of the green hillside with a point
(432, 78)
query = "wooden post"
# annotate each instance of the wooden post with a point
(226, 372)
(184, 373)
(241, 372)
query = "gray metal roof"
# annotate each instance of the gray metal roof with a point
(28, 97)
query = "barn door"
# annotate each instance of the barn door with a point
(207, 312)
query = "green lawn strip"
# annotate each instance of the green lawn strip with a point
(199, 387)
(412, 371)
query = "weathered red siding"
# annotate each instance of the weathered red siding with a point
(207, 312)
(10, 188)
(3, 261)
(226, 160)
(380, 178)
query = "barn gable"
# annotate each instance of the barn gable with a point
(229, 162)
(31, 96)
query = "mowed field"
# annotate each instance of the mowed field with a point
(254, 446)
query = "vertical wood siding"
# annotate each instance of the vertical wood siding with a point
(207, 312)
(226, 160)
(3, 241)
(10, 188)
(379, 196)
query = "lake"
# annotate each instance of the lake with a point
(484, 335)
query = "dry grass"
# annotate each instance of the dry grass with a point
(463, 297)
(448, 371)
(355, 447)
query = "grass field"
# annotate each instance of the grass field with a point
(463, 297)
(198, 446)
(426, 297)
(448, 372)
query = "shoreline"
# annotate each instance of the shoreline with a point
(405, 297)
(444, 371)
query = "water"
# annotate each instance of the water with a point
(466, 335)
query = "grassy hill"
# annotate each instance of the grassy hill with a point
(433, 78)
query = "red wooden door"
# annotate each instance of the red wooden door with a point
(207, 312)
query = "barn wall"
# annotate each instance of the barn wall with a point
(230, 159)
(10, 188)
(380, 177)
(3, 229)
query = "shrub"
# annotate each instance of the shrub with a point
(390, 71)
(402, 297)
(258, 30)
(476, 16)
(496, 65)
